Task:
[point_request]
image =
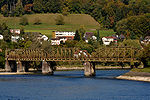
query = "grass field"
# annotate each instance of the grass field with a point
(141, 70)
(72, 23)
(44, 32)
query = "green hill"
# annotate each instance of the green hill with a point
(72, 22)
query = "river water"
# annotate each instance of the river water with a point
(72, 85)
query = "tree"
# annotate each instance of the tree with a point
(134, 26)
(81, 31)
(60, 20)
(5, 32)
(24, 21)
(38, 6)
(19, 10)
(145, 56)
(77, 36)
(5, 10)
(37, 21)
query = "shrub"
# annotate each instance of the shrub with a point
(60, 20)
(24, 21)
(37, 21)
(145, 56)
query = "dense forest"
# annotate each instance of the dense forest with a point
(109, 13)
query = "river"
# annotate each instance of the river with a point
(72, 85)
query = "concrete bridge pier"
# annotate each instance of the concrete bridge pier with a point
(7, 66)
(47, 68)
(89, 69)
(20, 67)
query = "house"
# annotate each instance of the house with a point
(122, 37)
(58, 37)
(44, 37)
(146, 40)
(89, 35)
(15, 31)
(1, 37)
(108, 40)
(15, 34)
(55, 41)
(14, 38)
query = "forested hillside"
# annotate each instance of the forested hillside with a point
(106, 12)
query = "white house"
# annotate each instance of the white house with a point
(108, 40)
(57, 37)
(63, 34)
(14, 38)
(1, 37)
(89, 35)
(55, 41)
(15, 31)
(44, 37)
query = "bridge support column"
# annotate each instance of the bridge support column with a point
(47, 68)
(20, 67)
(89, 69)
(7, 66)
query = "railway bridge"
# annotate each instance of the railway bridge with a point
(19, 58)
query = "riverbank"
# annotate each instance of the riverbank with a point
(136, 75)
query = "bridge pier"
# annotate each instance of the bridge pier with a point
(47, 68)
(89, 69)
(20, 67)
(7, 66)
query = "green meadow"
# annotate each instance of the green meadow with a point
(48, 23)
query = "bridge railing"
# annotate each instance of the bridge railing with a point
(74, 54)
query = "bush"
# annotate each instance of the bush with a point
(130, 43)
(24, 21)
(60, 20)
(145, 56)
(37, 21)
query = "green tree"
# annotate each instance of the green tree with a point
(60, 20)
(19, 10)
(135, 26)
(145, 55)
(38, 6)
(37, 21)
(77, 36)
(5, 10)
(4, 30)
(24, 21)
(81, 31)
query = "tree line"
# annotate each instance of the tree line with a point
(106, 12)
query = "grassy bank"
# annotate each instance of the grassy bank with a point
(147, 70)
